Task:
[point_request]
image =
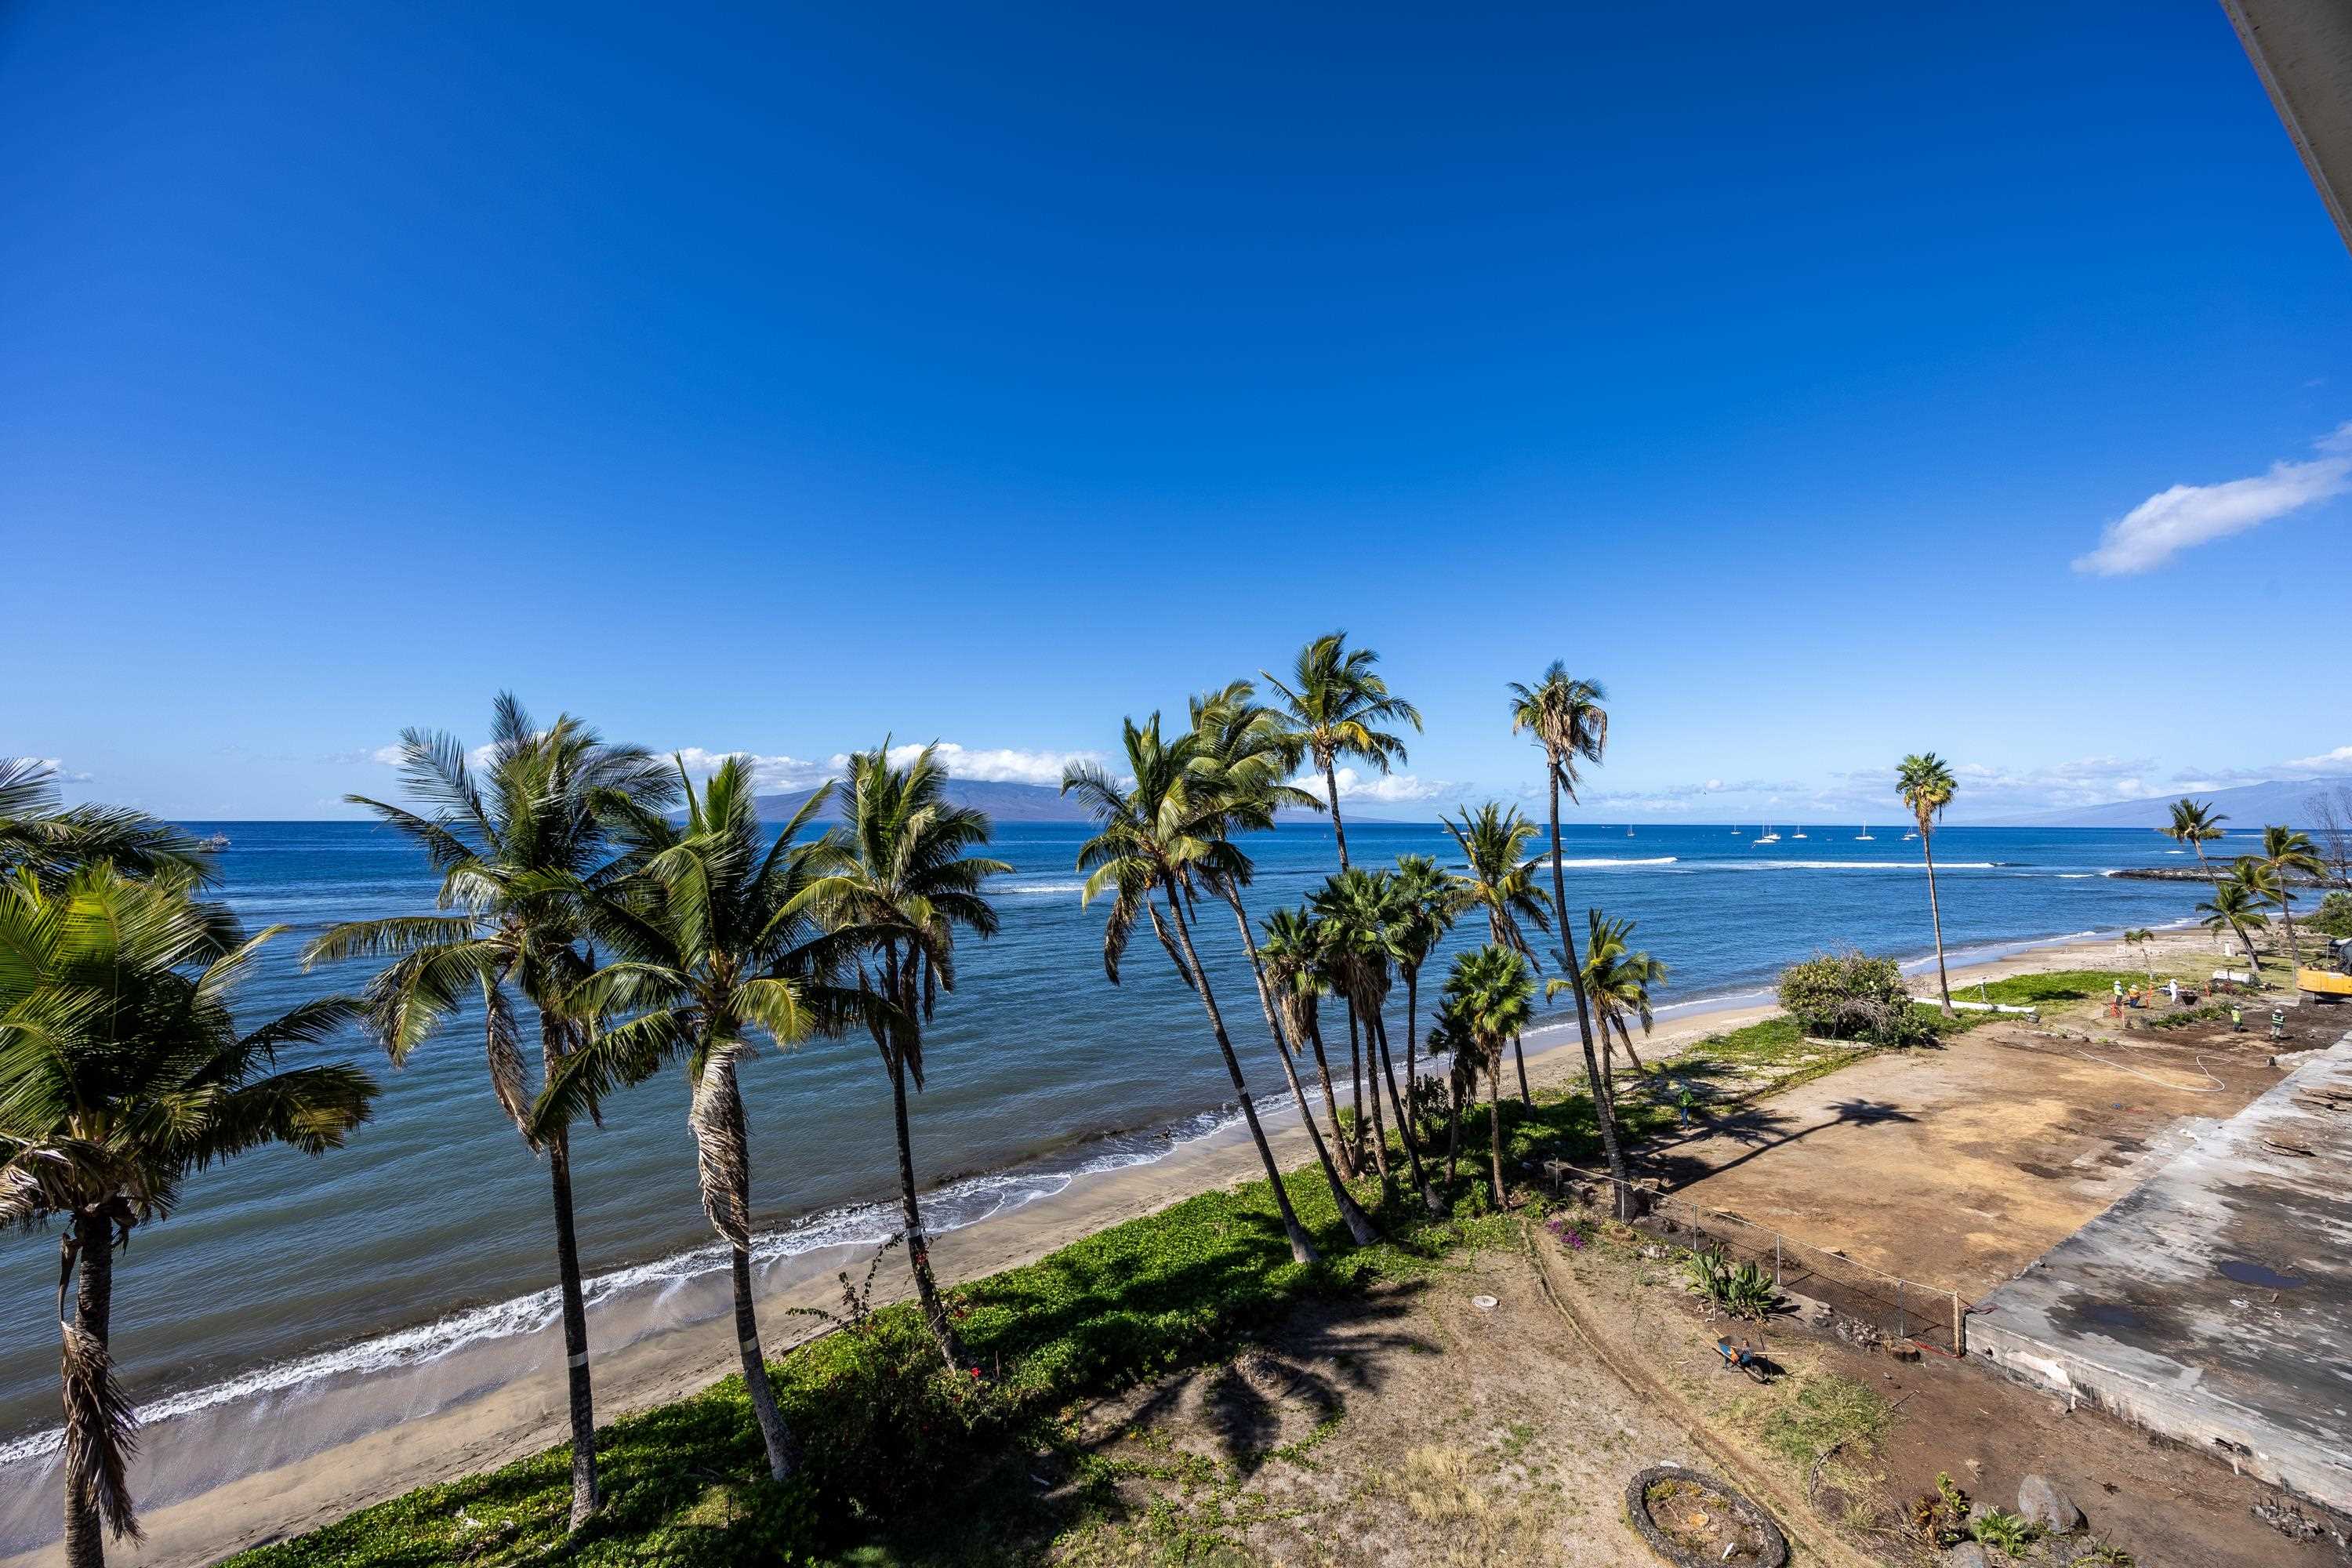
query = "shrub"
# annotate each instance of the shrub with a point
(1849, 997)
(2006, 1532)
(1941, 1516)
(2333, 916)
(1742, 1289)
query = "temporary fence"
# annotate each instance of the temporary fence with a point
(1854, 1299)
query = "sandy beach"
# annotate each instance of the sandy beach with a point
(524, 1413)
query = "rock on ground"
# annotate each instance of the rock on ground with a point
(2042, 1503)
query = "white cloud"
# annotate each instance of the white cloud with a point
(767, 773)
(1394, 789)
(60, 772)
(2174, 520)
(2339, 761)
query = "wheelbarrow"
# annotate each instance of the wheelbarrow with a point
(1741, 1356)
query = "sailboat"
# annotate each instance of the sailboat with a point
(1768, 836)
(1629, 830)
(1863, 836)
(1798, 833)
(1908, 836)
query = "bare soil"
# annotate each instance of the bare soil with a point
(1957, 1166)
(1415, 1427)
(2165, 1505)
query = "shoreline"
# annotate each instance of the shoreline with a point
(481, 1405)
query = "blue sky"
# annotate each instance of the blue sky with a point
(771, 379)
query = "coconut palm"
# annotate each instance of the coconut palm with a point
(1147, 850)
(1925, 783)
(1498, 880)
(2195, 823)
(1568, 720)
(122, 1071)
(715, 953)
(41, 835)
(1429, 906)
(1334, 703)
(1488, 996)
(1246, 754)
(2142, 938)
(1363, 915)
(910, 884)
(2287, 854)
(2236, 905)
(516, 847)
(1618, 979)
(1293, 955)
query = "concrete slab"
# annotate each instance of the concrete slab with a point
(2213, 1303)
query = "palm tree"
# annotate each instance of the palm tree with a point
(2195, 823)
(717, 953)
(1567, 719)
(1926, 786)
(1488, 997)
(1248, 755)
(515, 848)
(2287, 854)
(1293, 955)
(1618, 979)
(911, 883)
(1149, 843)
(123, 1071)
(1499, 881)
(41, 835)
(2142, 938)
(2236, 903)
(1429, 906)
(1333, 702)
(1361, 914)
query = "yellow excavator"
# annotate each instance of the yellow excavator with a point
(2332, 982)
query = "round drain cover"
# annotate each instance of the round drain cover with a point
(1485, 1303)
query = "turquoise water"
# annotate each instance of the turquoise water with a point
(432, 1230)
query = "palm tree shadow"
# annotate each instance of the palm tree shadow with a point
(1760, 1129)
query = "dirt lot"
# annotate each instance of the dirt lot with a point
(1415, 1429)
(2168, 1508)
(1956, 1166)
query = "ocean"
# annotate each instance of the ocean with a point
(282, 1275)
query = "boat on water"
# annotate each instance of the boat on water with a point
(1798, 833)
(1863, 836)
(216, 843)
(1908, 836)
(1629, 830)
(1767, 837)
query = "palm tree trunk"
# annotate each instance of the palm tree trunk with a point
(1936, 915)
(92, 1445)
(1346, 1152)
(1404, 1121)
(584, 1498)
(784, 1451)
(1627, 1035)
(1359, 1224)
(1339, 828)
(1520, 1057)
(1494, 1128)
(2286, 913)
(1302, 1246)
(1605, 1114)
(1379, 1118)
(2253, 959)
(918, 1250)
(1411, 1030)
(1378, 1137)
(1454, 1123)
